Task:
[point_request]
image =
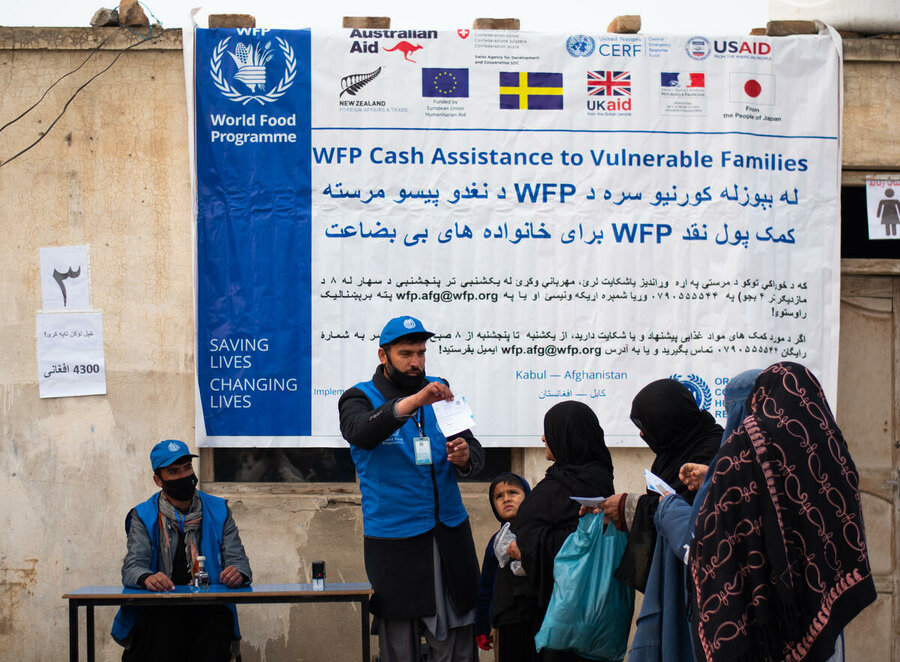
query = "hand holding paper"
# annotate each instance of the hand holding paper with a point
(657, 484)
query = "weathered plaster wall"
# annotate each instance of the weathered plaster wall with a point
(114, 173)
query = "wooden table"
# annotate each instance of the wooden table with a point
(92, 596)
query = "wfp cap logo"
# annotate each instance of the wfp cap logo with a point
(173, 446)
(580, 45)
(255, 65)
(698, 389)
(409, 323)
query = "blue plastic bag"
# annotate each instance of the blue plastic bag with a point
(590, 610)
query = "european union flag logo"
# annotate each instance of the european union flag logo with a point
(531, 90)
(445, 82)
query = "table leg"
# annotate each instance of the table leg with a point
(73, 631)
(364, 612)
(89, 632)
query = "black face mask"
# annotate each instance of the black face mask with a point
(180, 489)
(406, 383)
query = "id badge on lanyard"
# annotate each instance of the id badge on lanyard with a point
(422, 444)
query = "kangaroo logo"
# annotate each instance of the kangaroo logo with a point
(406, 48)
(251, 64)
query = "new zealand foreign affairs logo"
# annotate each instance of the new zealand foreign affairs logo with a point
(255, 65)
(698, 389)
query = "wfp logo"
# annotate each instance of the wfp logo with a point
(698, 389)
(252, 63)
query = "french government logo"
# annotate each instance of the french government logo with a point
(698, 389)
(253, 69)
(580, 45)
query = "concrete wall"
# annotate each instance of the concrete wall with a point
(114, 173)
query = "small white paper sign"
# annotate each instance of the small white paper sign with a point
(454, 415)
(70, 354)
(589, 502)
(883, 207)
(657, 484)
(65, 278)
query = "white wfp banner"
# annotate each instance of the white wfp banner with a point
(573, 215)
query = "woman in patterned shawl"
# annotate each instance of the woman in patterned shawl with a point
(778, 564)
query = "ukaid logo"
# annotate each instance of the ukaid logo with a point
(609, 91)
(682, 93)
(698, 389)
(256, 69)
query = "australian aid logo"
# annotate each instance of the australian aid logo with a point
(252, 68)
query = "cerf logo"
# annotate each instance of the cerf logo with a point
(463, 33)
(407, 49)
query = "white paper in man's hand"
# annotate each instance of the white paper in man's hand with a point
(454, 415)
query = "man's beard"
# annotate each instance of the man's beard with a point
(405, 382)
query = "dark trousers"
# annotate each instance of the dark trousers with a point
(182, 633)
(515, 643)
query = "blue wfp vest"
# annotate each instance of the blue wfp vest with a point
(215, 512)
(397, 494)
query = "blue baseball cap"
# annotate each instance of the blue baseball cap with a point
(402, 326)
(167, 451)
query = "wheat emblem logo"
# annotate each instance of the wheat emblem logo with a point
(251, 71)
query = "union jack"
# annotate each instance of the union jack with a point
(609, 83)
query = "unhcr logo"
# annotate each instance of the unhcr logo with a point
(253, 64)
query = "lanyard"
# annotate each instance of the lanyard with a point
(420, 420)
(179, 519)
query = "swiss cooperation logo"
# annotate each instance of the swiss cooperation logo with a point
(255, 63)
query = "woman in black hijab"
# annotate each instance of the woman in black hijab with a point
(677, 431)
(581, 466)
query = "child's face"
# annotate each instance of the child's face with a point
(507, 499)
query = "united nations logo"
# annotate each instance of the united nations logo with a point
(580, 45)
(698, 48)
(698, 389)
(252, 62)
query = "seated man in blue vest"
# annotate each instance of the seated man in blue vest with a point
(166, 536)
(418, 547)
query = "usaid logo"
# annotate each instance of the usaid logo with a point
(698, 389)
(698, 48)
(743, 47)
(255, 66)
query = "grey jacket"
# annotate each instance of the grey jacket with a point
(137, 557)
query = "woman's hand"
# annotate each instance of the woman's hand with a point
(513, 551)
(692, 475)
(610, 508)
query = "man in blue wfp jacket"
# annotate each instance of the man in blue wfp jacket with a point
(419, 553)
(166, 535)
